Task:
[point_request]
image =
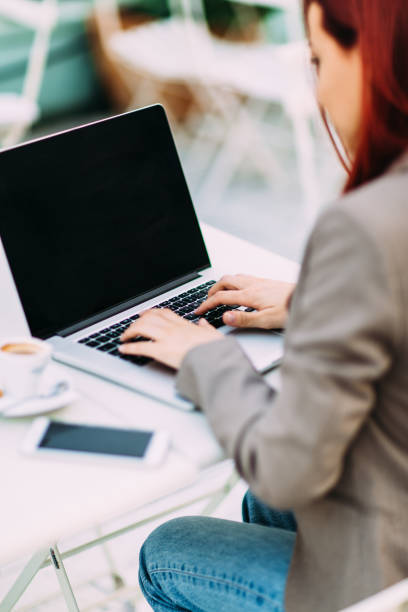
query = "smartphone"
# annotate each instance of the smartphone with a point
(80, 442)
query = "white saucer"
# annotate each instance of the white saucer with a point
(52, 376)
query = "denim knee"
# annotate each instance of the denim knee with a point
(255, 511)
(154, 550)
(157, 542)
(207, 564)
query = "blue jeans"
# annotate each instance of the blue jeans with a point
(201, 564)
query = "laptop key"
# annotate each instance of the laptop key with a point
(140, 361)
(107, 347)
(114, 334)
(113, 350)
(102, 338)
(217, 323)
(192, 318)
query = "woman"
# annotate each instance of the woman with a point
(332, 446)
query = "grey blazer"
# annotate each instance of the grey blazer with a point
(333, 444)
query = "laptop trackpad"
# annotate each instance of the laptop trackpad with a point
(263, 347)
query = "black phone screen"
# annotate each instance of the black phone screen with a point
(89, 439)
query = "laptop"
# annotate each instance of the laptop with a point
(97, 224)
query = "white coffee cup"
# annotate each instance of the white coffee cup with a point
(22, 362)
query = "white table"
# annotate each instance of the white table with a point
(45, 500)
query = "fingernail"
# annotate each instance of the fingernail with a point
(121, 349)
(229, 317)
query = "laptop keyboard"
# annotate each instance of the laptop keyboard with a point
(108, 339)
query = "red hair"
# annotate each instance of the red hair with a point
(380, 29)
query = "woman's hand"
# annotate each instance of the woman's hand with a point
(269, 299)
(171, 336)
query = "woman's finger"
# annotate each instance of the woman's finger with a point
(226, 282)
(169, 315)
(231, 282)
(149, 324)
(142, 349)
(223, 297)
(264, 319)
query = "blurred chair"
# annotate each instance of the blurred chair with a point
(19, 111)
(393, 599)
(263, 73)
(149, 57)
(232, 84)
(294, 25)
(169, 61)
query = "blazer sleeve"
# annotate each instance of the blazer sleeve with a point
(341, 336)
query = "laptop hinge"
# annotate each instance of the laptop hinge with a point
(109, 312)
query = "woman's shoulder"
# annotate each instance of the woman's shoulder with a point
(358, 251)
(379, 209)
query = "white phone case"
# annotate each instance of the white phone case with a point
(154, 454)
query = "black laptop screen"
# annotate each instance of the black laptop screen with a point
(96, 216)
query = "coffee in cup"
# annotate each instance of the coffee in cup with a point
(22, 362)
(21, 348)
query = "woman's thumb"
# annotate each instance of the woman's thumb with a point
(239, 318)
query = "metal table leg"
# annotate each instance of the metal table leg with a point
(24, 580)
(63, 579)
(38, 561)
